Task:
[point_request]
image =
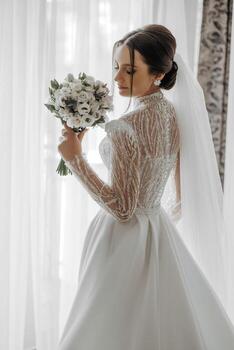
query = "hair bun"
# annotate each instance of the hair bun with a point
(170, 77)
(174, 65)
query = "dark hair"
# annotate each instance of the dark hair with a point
(157, 46)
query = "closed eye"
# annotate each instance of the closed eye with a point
(131, 71)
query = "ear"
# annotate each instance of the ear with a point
(160, 76)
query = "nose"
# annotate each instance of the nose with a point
(118, 77)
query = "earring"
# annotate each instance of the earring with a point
(157, 82)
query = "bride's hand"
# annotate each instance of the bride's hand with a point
(71, 143)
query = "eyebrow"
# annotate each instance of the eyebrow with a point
(126, 64)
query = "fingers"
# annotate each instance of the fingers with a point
(61, 139)
(67, 127)
(81, 134)
(64, 132)
(67, 132)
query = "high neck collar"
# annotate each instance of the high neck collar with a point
(146, 99)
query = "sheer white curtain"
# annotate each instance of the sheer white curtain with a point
(228, 180)
(44, 217)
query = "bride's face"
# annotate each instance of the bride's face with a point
(143, 81)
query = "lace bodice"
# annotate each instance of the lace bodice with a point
(139, 150)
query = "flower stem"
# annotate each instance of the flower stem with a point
(62, 169)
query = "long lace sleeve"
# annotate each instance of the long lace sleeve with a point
(120, 197)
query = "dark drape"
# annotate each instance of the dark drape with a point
(213, 69)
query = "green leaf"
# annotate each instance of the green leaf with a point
(51, 92)
(56, 114)
(82, 76)
(54, 84)
(70, 77)
(50, 107)
(62, 169)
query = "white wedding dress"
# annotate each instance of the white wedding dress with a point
(139, 287)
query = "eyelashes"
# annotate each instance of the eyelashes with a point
(131, 71)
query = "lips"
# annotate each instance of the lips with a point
(122, 87)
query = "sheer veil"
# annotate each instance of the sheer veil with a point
(201, 224)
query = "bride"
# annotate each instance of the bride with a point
(145, 283)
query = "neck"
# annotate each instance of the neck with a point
(151, 91)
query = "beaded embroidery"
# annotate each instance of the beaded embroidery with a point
(139, 150)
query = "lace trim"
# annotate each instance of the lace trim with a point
(147, 99)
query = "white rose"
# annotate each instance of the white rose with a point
(65, 117)
(89, 80)
(69, 77)
(74, 95)
(102, 90)
(91, 97)
(57, 93)
(94, 106)
(60, 101)
(98, 83)
(89, 88)
(83, 96)
(76, 86)
(107, 101)
(74, 122)
(87, 120)
(66, 90)
(83, 108)
(97, 115)
(64, 113)
(57, 106)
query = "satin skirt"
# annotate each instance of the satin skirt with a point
(140, 289)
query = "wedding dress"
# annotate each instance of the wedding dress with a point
(139, 287)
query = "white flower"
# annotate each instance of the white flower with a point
(88, 101)
(89, 80)
(83, 96)
(83, 108)
(76, 86)
(91, 97)
(60, 101)
(89, 88)
(65, 117)
(69, 77)
(66, 90)
(102, 90)
(97, 115)
(64, 113)
(74, 122)
(57, 106)
(98, 83)
(87, 120)
(107, 102)
(57, 93)
(94, 106)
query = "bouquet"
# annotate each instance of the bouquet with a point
(81, 103)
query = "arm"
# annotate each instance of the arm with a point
(119, 198)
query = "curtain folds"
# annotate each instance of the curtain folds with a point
(228, 179)
(44, 217)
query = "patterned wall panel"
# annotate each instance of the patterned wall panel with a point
(213, 69)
